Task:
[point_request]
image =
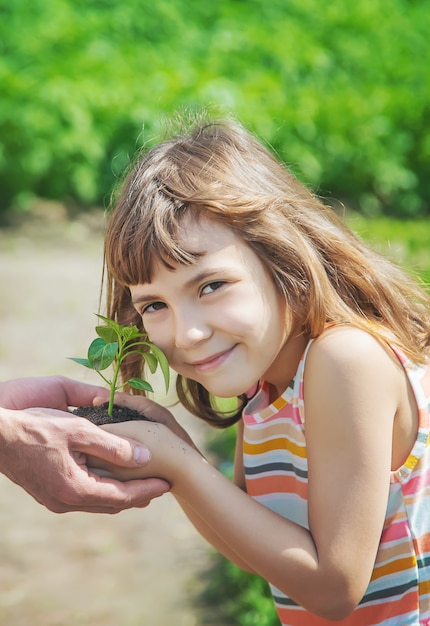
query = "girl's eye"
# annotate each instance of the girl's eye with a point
(153, 307)
(211, 287)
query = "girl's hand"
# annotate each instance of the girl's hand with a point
(168, 452)
(155, 412)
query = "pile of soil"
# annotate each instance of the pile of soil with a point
(98, 414)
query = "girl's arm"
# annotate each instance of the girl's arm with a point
(212, 536)
(351, 398)
(201, 526)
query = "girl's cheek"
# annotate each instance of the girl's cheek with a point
(159, 336)
(176, 367)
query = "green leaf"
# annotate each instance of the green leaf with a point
(102, 354)
(137, 333)
(164, 365)
(107, 333)
(84, 362)
(139, 383)
(129, 332)
(151, 360)
(111, 323)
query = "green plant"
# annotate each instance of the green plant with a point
(113, 344)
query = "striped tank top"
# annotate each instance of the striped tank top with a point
(275, 462)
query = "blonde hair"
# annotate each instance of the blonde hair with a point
(219, 171)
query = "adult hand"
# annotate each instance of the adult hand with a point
(44, 450)
(54, 392)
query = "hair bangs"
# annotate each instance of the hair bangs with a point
(133, 248)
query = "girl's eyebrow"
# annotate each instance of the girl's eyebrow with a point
(198, 278)
(143, 299)
(205, 275)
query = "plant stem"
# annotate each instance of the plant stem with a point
(113, 385)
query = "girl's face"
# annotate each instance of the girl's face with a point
(220, 321)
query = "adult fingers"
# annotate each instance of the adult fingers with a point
(84, 437)
(111, 496)
(81, 394)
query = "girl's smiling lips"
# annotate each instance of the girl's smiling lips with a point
(212, 361)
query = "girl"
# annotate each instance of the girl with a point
(255, 290)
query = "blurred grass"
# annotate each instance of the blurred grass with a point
(406, 242)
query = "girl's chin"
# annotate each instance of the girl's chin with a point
(218, 388)
(226, 392)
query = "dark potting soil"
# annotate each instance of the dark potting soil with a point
(98, 414)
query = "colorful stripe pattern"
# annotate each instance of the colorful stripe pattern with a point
(276, 475)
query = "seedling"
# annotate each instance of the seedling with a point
(113, 344)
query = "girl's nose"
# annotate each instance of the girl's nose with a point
(190, 330)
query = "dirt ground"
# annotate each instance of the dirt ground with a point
(141, 567)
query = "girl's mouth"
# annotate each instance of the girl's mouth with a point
(213, 361)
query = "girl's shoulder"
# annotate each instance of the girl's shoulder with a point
(351, 371)
(345, 342)
(346, 354)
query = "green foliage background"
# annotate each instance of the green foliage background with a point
(340, 89)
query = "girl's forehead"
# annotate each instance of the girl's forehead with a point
(213, 249)
(200, 236)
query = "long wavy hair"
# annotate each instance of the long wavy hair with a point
(218, 170)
